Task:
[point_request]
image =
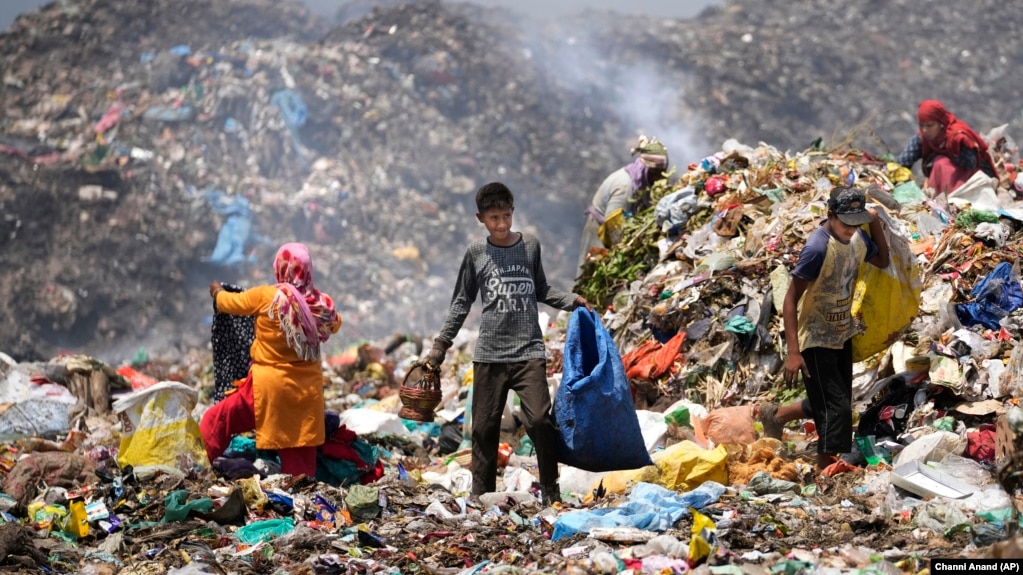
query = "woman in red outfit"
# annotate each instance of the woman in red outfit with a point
(951, 151)
(282, 397)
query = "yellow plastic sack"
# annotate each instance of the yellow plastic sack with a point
(610, 232)
(686, 465)
(620, 481)
(157, 428)
(886, 300)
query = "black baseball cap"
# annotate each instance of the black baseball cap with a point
(850, 205)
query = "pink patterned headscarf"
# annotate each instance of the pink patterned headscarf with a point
(306, 314)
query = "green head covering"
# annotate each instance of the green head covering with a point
(651, 152)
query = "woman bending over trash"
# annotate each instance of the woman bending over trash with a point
(282, 397)
(951, 151)
(619, 191)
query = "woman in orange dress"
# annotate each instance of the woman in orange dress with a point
(282, 397)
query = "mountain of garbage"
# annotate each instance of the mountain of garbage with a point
(150, 147)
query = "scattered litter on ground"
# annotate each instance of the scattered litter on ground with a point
(143, 141)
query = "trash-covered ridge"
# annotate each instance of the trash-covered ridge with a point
(407, 109)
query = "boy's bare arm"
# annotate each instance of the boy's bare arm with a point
(881, 259)
(794, 362)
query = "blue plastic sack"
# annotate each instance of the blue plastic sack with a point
(295, 113)
(995, 297)
(594, 397)
(292, 107)
(234, 233)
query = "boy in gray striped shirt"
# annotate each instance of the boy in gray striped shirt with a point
(507, 272)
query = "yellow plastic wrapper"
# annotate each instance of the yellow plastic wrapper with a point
(610, 232)
(898, 173)
(700, 546)
(253, 494)
(44, 516)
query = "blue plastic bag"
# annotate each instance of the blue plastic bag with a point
(292, 107)
(995, 297)
(234, 233)
(593, 399)
(649, 507)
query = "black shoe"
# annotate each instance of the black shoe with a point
(551, 495)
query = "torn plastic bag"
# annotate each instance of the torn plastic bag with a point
(158, 428)
(594, 397)
(675, 209)
(292, 107)
(978, 193)
(649, 507)
(995, 296)
(729, 425)
(295, 113)
(168, 114)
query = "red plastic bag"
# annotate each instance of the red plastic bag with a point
(980, 444)
(138, 380)
(840, 466)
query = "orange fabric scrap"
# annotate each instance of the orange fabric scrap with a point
(137, 379)
(652, 359)
(840, 466)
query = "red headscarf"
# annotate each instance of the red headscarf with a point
(953, 137)
(306, 314)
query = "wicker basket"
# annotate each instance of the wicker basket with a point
(463, 457)
(421, 397)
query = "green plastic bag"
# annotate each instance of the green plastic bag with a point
(177, 509)
(970, 218)
(679, 417)
(908, 193)
(526, 447)
(262, 531)
(363, 502)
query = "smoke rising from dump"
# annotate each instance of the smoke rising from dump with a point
(411, 109)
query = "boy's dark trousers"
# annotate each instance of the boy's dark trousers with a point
(491, 383)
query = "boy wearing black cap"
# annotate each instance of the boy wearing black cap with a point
(819, 325)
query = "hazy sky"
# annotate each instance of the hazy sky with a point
(9, 9)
